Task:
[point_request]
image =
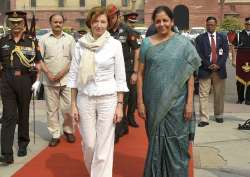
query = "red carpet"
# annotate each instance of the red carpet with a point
(66, 160)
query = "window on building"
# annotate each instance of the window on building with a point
(125, 3)
(82, 22)
(33, 3)
(82, 3)
(103, 3)
(61, 3)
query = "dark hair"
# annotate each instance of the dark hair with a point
(247, 19)
(211, 18)
(160, 9)
(94, 13)
(50, 18)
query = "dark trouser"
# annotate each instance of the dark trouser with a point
(128, 108)
(241, 92)
(131, 101)
(40, 95)
(16, 95)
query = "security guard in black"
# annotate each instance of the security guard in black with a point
(128, 39)
(18, 54)
(244, 42)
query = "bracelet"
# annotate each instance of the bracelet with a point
(119, 102)
(136, 72)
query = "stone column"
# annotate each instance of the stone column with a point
(13, 4)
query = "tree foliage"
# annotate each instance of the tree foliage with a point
(231, 23)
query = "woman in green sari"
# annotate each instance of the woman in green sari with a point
(165, 96)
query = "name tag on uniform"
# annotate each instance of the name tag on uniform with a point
(220, 51)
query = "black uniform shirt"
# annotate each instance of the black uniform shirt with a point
(28, 46)
(244, 39)
(128, 38)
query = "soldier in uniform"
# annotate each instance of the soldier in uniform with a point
(19, 56)
(244, 42)
(128, 38)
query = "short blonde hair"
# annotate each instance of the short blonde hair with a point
(94, 13)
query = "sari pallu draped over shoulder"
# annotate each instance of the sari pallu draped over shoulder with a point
(168, 66)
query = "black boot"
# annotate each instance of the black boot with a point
(132, 122)
(7, 159)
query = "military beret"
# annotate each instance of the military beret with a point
(247, 20)
(16, 15)
(112, 9)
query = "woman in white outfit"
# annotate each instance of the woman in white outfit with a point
(97, 81)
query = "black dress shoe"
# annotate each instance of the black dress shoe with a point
(54, 142)
(219, 120)
(123, 132)
(6, 159)
(239, 102)
(132, 122)
(247, 102)
(69, 137)
(202, 124)
(22, 152)
(116, 139)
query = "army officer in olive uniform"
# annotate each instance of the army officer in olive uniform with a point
(19, 57)
(128, 38)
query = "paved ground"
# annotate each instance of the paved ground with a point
(220, 150)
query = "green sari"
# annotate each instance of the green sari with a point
(167, 68)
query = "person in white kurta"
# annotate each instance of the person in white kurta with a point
(97, 94)
(56, 49)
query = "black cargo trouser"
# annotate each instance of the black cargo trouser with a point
(128, 107)
(16, 95)
(241, 92)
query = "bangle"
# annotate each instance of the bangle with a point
(120, 102)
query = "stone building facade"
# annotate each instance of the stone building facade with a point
(199, 10)
(74, 11)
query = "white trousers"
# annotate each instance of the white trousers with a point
(98, 131)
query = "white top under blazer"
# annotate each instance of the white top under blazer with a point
(110, 74)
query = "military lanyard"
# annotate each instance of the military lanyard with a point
(23, 59)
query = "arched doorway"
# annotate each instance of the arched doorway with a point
(181, 17)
